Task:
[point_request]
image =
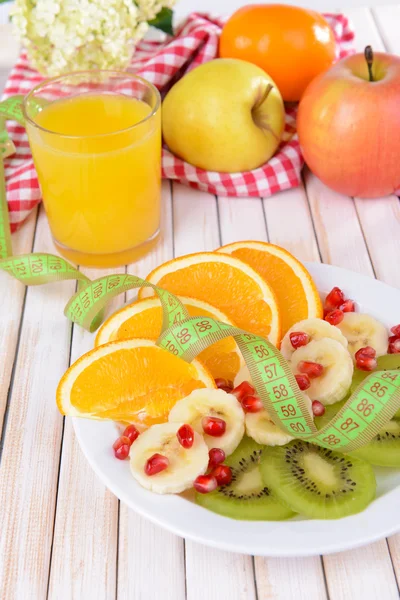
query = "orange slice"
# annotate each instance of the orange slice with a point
(143, 319)
(295, 290)
(225, 282)
(130, 380)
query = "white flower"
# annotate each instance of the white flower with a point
(71, 35)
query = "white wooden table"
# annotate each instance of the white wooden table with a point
(62, 534)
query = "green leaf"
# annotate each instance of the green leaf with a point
(163, 21)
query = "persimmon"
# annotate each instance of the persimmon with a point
(290, 43)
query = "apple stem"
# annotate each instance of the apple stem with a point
(264, 96)
(369, 57)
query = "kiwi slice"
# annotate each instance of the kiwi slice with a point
(246, 497)
(387, 362)
(317, 482)
(384, 449)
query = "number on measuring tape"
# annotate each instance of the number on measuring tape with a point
(203, 326)
(171, 347)
(349, 425)
(378, 389)
(288, 410)
(261, 351)
(270, 370)
(365, 407)
(389, 376)
(298, 427)
(280, 391)
(184, 335)
(331, 439)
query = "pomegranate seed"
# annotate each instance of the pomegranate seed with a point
(224, 384)
(394, 347)
(217, 456)
(348, 306)
(303, 381)
(334, 299)
(155, 464)
(311, 369)
(213, 426)
(299, 338)
(367, 351)
(335, 316)
(226, 389)
(121, 447)
(318, 408)
(395, 330)
(205, 484)
(252, 404)
(222, 474)
(185, 435)
(366, 363)
(131, 432)
(243, 389)
(393, 338)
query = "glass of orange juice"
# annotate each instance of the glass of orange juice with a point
(95, 138)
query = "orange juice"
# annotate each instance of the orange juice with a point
(98, 159)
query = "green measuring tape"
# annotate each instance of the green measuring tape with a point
(374, 402)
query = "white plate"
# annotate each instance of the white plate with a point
(297, 537)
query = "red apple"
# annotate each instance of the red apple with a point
(349, 125)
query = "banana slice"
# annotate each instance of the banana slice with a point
(263, 430)
(361, 330)
(334, 383)
(205, 402)
(317, 329)
(184, 465)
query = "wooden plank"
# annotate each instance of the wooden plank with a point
(342, 243)
(386, 20)
(362, 573)
(216, 575)
(84, 551)
(11, 308)
(381, 218)
(140, 542)
(338, 230)
(284, 578)
(210, 573)
(30, 459)
(290, 225)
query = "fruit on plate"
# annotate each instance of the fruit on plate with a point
(362, 330)
(143, 319)
(349, 126)
(225, 282)
(296, 292)
(261, 428)
(215, 414)
(384, 449)
(387, 362)
(317, 482)
(181, 465)
(131, 381)
(246, 497)
(315, 329)
(331, 381)
(290, 43)
(225, 115)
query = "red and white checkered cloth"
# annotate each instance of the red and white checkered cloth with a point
(162, 63)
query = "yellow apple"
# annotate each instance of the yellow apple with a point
(226, 115)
